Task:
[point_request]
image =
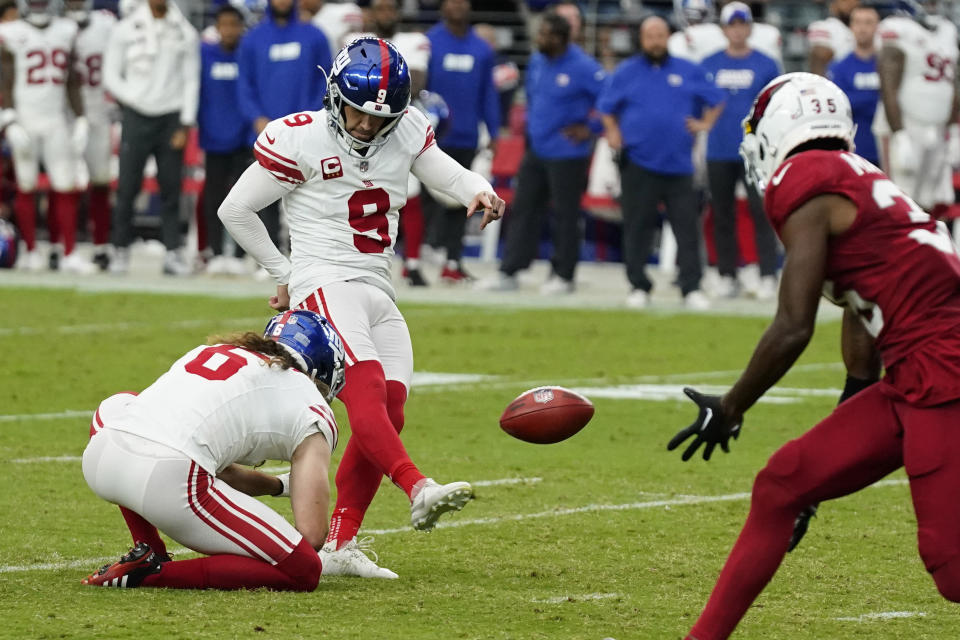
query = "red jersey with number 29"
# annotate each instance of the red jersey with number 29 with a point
(896, 266)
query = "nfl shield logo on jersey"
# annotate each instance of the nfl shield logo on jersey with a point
(543, 396)
(331, 168)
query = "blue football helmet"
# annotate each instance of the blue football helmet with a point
(435, 108)
(370, 75)
(313, 343)
(690, 12)
(8, 244)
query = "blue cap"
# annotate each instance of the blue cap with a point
(736, 11)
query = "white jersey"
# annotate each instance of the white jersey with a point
(766, 39)
(697, 42)
(832, 34)
(88, 50)
(343, 213)
(222, 404)
(336, 20)
(412, 45)
(930, 62)
(342, 209)
(41, 61)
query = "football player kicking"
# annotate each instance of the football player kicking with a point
(851, 233)
(341, 173)
(170, 456)
(38, 83)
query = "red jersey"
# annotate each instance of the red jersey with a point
(896, 266)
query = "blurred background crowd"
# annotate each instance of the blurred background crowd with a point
(611, 127)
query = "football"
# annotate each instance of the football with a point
(546, 415)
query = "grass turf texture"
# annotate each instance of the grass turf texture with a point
(649, 570)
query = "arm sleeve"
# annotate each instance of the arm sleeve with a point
(442, 173)
(491, 102)
(113, 66)
(246, 81)
(191, 85)
(255, 189)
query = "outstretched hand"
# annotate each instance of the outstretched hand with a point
(492, 205)
(711, 427)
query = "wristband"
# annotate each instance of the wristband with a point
(284, 479)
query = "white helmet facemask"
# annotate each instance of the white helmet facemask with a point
(792, 109)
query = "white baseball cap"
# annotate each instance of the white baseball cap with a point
(735, 11)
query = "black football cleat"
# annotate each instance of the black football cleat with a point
(102, 260)
(129, 572)
(800, 526)
(414, 278)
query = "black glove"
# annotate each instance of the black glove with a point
(711, 426)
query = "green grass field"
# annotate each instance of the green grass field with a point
(606, 535)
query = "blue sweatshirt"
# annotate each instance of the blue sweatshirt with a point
(652, 103)
(461, 71)
(859, 80)
(278, 68)
(221, 126)
(561, 91)
(740, 79)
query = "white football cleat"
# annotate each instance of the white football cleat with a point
(433, 500)
(74, 263)
(352, 560)
(638, 299)
(696, 301)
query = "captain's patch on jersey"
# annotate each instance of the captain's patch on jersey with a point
(331, 168)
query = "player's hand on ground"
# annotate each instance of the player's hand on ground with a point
(281, 301)
(712, 427)
(491, 204)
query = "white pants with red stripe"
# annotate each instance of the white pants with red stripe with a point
(182, 500)
(369, 323)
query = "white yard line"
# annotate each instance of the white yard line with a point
(114, 327)
(58, 415)
(883, 615)
(580, 598)
(662, 392)
(630, 506)
(45, 459)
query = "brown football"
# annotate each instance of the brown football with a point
(546, 415)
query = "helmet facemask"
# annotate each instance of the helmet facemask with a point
(36, 12)
(78, 10)
(336, 103)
